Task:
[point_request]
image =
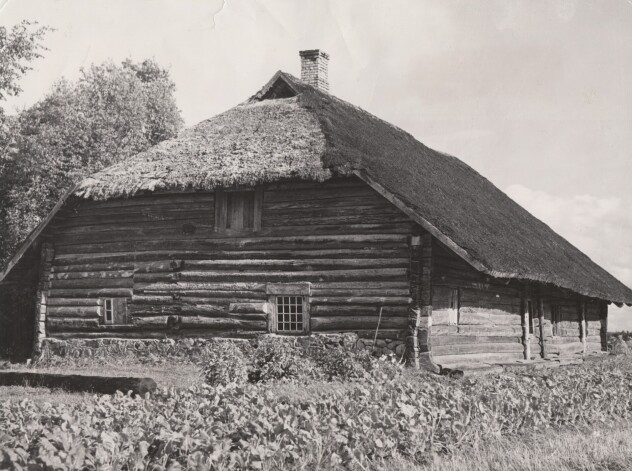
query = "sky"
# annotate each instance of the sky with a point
(536, 95)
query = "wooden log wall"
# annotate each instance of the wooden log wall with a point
(488, 323)
(181, 278)
(488, 327)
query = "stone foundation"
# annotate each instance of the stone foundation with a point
(115, 347)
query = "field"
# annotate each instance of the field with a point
(323, 410)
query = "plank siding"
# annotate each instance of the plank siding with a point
(488, 328)
(180, 277)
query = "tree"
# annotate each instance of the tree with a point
(111, 113)
(18, 48)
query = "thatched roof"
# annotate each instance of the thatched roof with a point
(290, 130)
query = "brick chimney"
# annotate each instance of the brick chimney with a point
(314, 65)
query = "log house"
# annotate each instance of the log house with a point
(296, 213)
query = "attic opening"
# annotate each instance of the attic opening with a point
(279, 89)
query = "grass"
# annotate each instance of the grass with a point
(604, 447)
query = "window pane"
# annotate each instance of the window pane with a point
(289, 313)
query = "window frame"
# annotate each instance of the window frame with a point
(454, 304)
(276, 290)
(117, 310)
(221, 210)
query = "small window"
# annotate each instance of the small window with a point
(114, 311)
(556, 319)
(238, 211)
(453, 307)
(289, 311)
(290, 307)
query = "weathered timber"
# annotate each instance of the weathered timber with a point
(330, 310)
(482, 317)
(351, 323)
(91, 293)
(525, 327)
(373, 300)
(73, 302)
(93, 384)
(458, 339)
(58, 274)
(91, 283)
(491, 330)
(304, 264)
(331, 275)
(200, 286)
(58, 324)
(504, 357)
(461, 349)
(444, 330)
(73, 311)
(582, 323)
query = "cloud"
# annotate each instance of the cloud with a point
(599, 227)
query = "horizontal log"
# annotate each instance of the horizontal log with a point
(358, 292)
(565, 348)
(140, 299)
(331, 275)
(371, 300)
(105, 261)
(158, 267)
(57, 274)
(179, 286)
(460, 349)
(352, 285)
(73, 302)
(493, 358)
(473, 339)
(91, 384)
(249, 308)
(351, 323)
(223, 323)
(488, 330)
(439, 330)
(73, 311)
(330, 310)
(92, 283)
(55, 324)
(178, 309)
(393, 334)
(217, 296)
(303, 264)
(91, 293)
(107, 334)
(487, 317)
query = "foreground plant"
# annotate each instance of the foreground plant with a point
(252, 426)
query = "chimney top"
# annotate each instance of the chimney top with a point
(314, 68)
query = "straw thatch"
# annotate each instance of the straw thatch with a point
(290, 130)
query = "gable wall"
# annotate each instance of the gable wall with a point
(349, 242)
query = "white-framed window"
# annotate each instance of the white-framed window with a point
(114, 311)
(290, 307)
(453, 307)
(238, 211)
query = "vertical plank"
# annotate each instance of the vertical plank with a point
(603, 316)
(525, 326)
(582, 325)
(258, 209)
(220, 210)
(420, 315)
(540, 308)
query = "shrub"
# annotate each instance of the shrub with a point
(278, 359)
(225, 364)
